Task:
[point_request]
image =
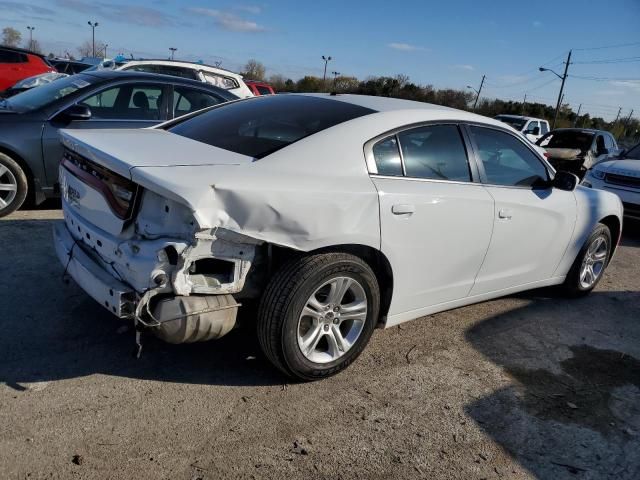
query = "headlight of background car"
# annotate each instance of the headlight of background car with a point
(599, 174)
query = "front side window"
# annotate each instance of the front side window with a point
(435, 152)
(387, 157)
(532, 126)
(9, 56)
(609, 143)
(187, 100)
(506, 160)
(127, 102)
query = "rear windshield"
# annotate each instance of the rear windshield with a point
(567, 139)
(259, 126)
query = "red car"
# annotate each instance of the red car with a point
(259, 88)
(17, 64)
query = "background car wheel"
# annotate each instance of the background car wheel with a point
(317, 314)
(13, 185)
(588, 267)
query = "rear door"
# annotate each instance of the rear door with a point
(436, 218)
(533, 223)
(125, 105)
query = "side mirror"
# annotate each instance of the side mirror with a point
(76, 112)
(536, 131)
(565, 181)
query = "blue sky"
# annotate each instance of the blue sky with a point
(444, 43)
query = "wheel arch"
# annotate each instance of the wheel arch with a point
(377, 260)
(31, 193)
(615, 227)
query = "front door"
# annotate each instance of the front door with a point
(129, 105)
(533, 223)
(436, 221)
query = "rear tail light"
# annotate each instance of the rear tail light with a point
(119, 192)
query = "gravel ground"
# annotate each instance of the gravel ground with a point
(529, 386)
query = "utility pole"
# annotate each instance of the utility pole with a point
(335, 78)
(326, 59)
(477, 92)
(563, 78)
(93, 37)
(618, 115)
(105, 51)
(524, 102)
(173, 51)
(626, 122)
(31, 29)
(575, 124)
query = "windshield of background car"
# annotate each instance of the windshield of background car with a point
(567, 139)
(45, 94)
(259, 126)
(633, 152)
(517, 123)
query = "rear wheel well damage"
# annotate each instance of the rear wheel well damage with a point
(378, 262)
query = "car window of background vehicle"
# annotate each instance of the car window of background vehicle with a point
(187, 100)
(435, 152)
(506, 160)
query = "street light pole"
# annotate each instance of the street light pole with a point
(563, 78)
(173, 51)
(326, 60)
(105, 50)
(335, 78)
(477, 92)
(31, 29)
(93, 37)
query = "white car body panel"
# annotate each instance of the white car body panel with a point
(241, 91)
(452, 250)
(628, 192)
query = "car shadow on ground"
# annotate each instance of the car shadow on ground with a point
(572, 409)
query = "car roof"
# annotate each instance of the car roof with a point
(21, 50)
(164, 61)
(387, 104)
(524, 117)
(106, 75)
(583, 130)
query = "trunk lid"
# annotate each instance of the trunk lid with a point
(97, 179)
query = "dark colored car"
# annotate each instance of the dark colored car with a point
(259, 88)
(576, 150)
(30, 149)
(17, 64)
(70, 67)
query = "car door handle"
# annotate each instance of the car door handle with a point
(403, 209)
(505, 213)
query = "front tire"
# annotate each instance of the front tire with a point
(13, 185)
(588, 268)
(317, 314)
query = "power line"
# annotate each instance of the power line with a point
(604, 79)
(609, 61)
(619, 45)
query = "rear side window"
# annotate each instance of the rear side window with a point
(264, 90)
(435, 152)
(506, 160)
(387, 157)
(9, 56)
(260, 126)
(187, 100)
(220, 81)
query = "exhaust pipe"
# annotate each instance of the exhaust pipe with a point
(196, 318)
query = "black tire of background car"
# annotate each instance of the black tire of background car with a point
(571, 285)
(287, 294)
(23, 185)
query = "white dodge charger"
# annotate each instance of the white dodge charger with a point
(332, 214)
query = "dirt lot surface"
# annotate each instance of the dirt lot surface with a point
(529, 386)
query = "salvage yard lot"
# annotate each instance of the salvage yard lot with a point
(529, 386)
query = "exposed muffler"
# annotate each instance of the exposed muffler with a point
(196, 318)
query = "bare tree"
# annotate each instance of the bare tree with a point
(86, 48)
(34, 47)
(11, 37)
(254, 70)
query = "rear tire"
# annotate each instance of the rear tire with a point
(588, 268)
(317, 314)
(13, 185)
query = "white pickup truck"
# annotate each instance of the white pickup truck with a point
(532, 128)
